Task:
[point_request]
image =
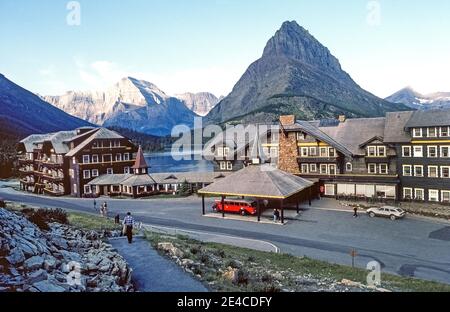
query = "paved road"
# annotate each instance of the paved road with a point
(152, 272)
(410, 247)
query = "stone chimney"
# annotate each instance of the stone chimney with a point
(288, 120)
(342, 118)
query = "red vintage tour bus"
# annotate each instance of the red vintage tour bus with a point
(244, 207)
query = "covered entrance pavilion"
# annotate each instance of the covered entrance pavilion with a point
(261, 183)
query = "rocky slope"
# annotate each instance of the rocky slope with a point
(200, 103)
(297, 74)
(416, 100)
(59, 260)
(131, 103)
(23, 113)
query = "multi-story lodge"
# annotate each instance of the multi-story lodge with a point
(63, 163)
(402, 156)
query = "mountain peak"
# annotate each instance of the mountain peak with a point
(295, 42)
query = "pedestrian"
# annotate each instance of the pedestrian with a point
(95, 205)
(117, 219)
(355, 210)
(276, 215)
(128, 223)
(102, 208)
(105, 210)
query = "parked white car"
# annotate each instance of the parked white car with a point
(392, 213)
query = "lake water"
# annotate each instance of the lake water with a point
(164, 162)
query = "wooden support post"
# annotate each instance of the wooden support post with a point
(203, 204)
(282, 211)
(258, 206)
(309, 196)
(223, 206)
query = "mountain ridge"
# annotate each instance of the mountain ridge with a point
(297, 68)
(416, 100)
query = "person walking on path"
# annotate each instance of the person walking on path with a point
(105, 209)
(95, 205)
(355, 210)
(128, 224)
(102, 209)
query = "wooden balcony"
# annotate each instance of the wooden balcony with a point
(53, 193)
(317, 160)
(48, 176)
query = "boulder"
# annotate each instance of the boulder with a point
(16, 256)
(36, 276)
(171, 249)
(231, 274)
(33, 263)
(48, 287)
(50, 263)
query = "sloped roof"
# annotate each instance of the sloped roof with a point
(140, 162)
(30, 141)
(354, 132)
(394, 129)
(191, 177)
(429, 118)
(259, 181)
(110, 179)
(139, 180)
(322, 134)
(100, 133)
(58, 141)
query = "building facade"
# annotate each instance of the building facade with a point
(63, 163)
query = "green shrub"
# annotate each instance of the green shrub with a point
(39, 220)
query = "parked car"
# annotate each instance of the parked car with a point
(243, 207)
(392, 213)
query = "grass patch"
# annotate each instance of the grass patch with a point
(91, 222)
(266, 271)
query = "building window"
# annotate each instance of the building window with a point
(301, 136)
(86, 174)
(330, 190)
(86, 159)
(417, 132)
(372, 151)
(445, 151)
(418, 151)
(433, 195)
(87, 189)
(383, 169)
(432, 151)
(332, 152)
(332, 169)
(418, 171)
(94, 173)
(349, 167)
(109, 171)
(107, 158)
(372, 168)
(323, 152)
(226, 151)
(75, 188)
(432, 132)
(313, 168)
(305, 168)
(445, 131)
(323, 169)
(381, 151)
(223, 165)
(313, 151)
(72, 173)
(433, 172)
(126, 156)
(304, 152)
(406, 151)
(95, 158)
(407, 170)
(419, 194)
(445, 172)
(407, 193)
(118, 157)
(126, 170)
(445, 196)
(229, 166)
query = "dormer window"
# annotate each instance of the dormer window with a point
(417, 133)
(445, 131)
(381, 151)
(432, 132)
(349, 167)
(372, 151)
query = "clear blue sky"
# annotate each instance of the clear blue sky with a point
(206, 45)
